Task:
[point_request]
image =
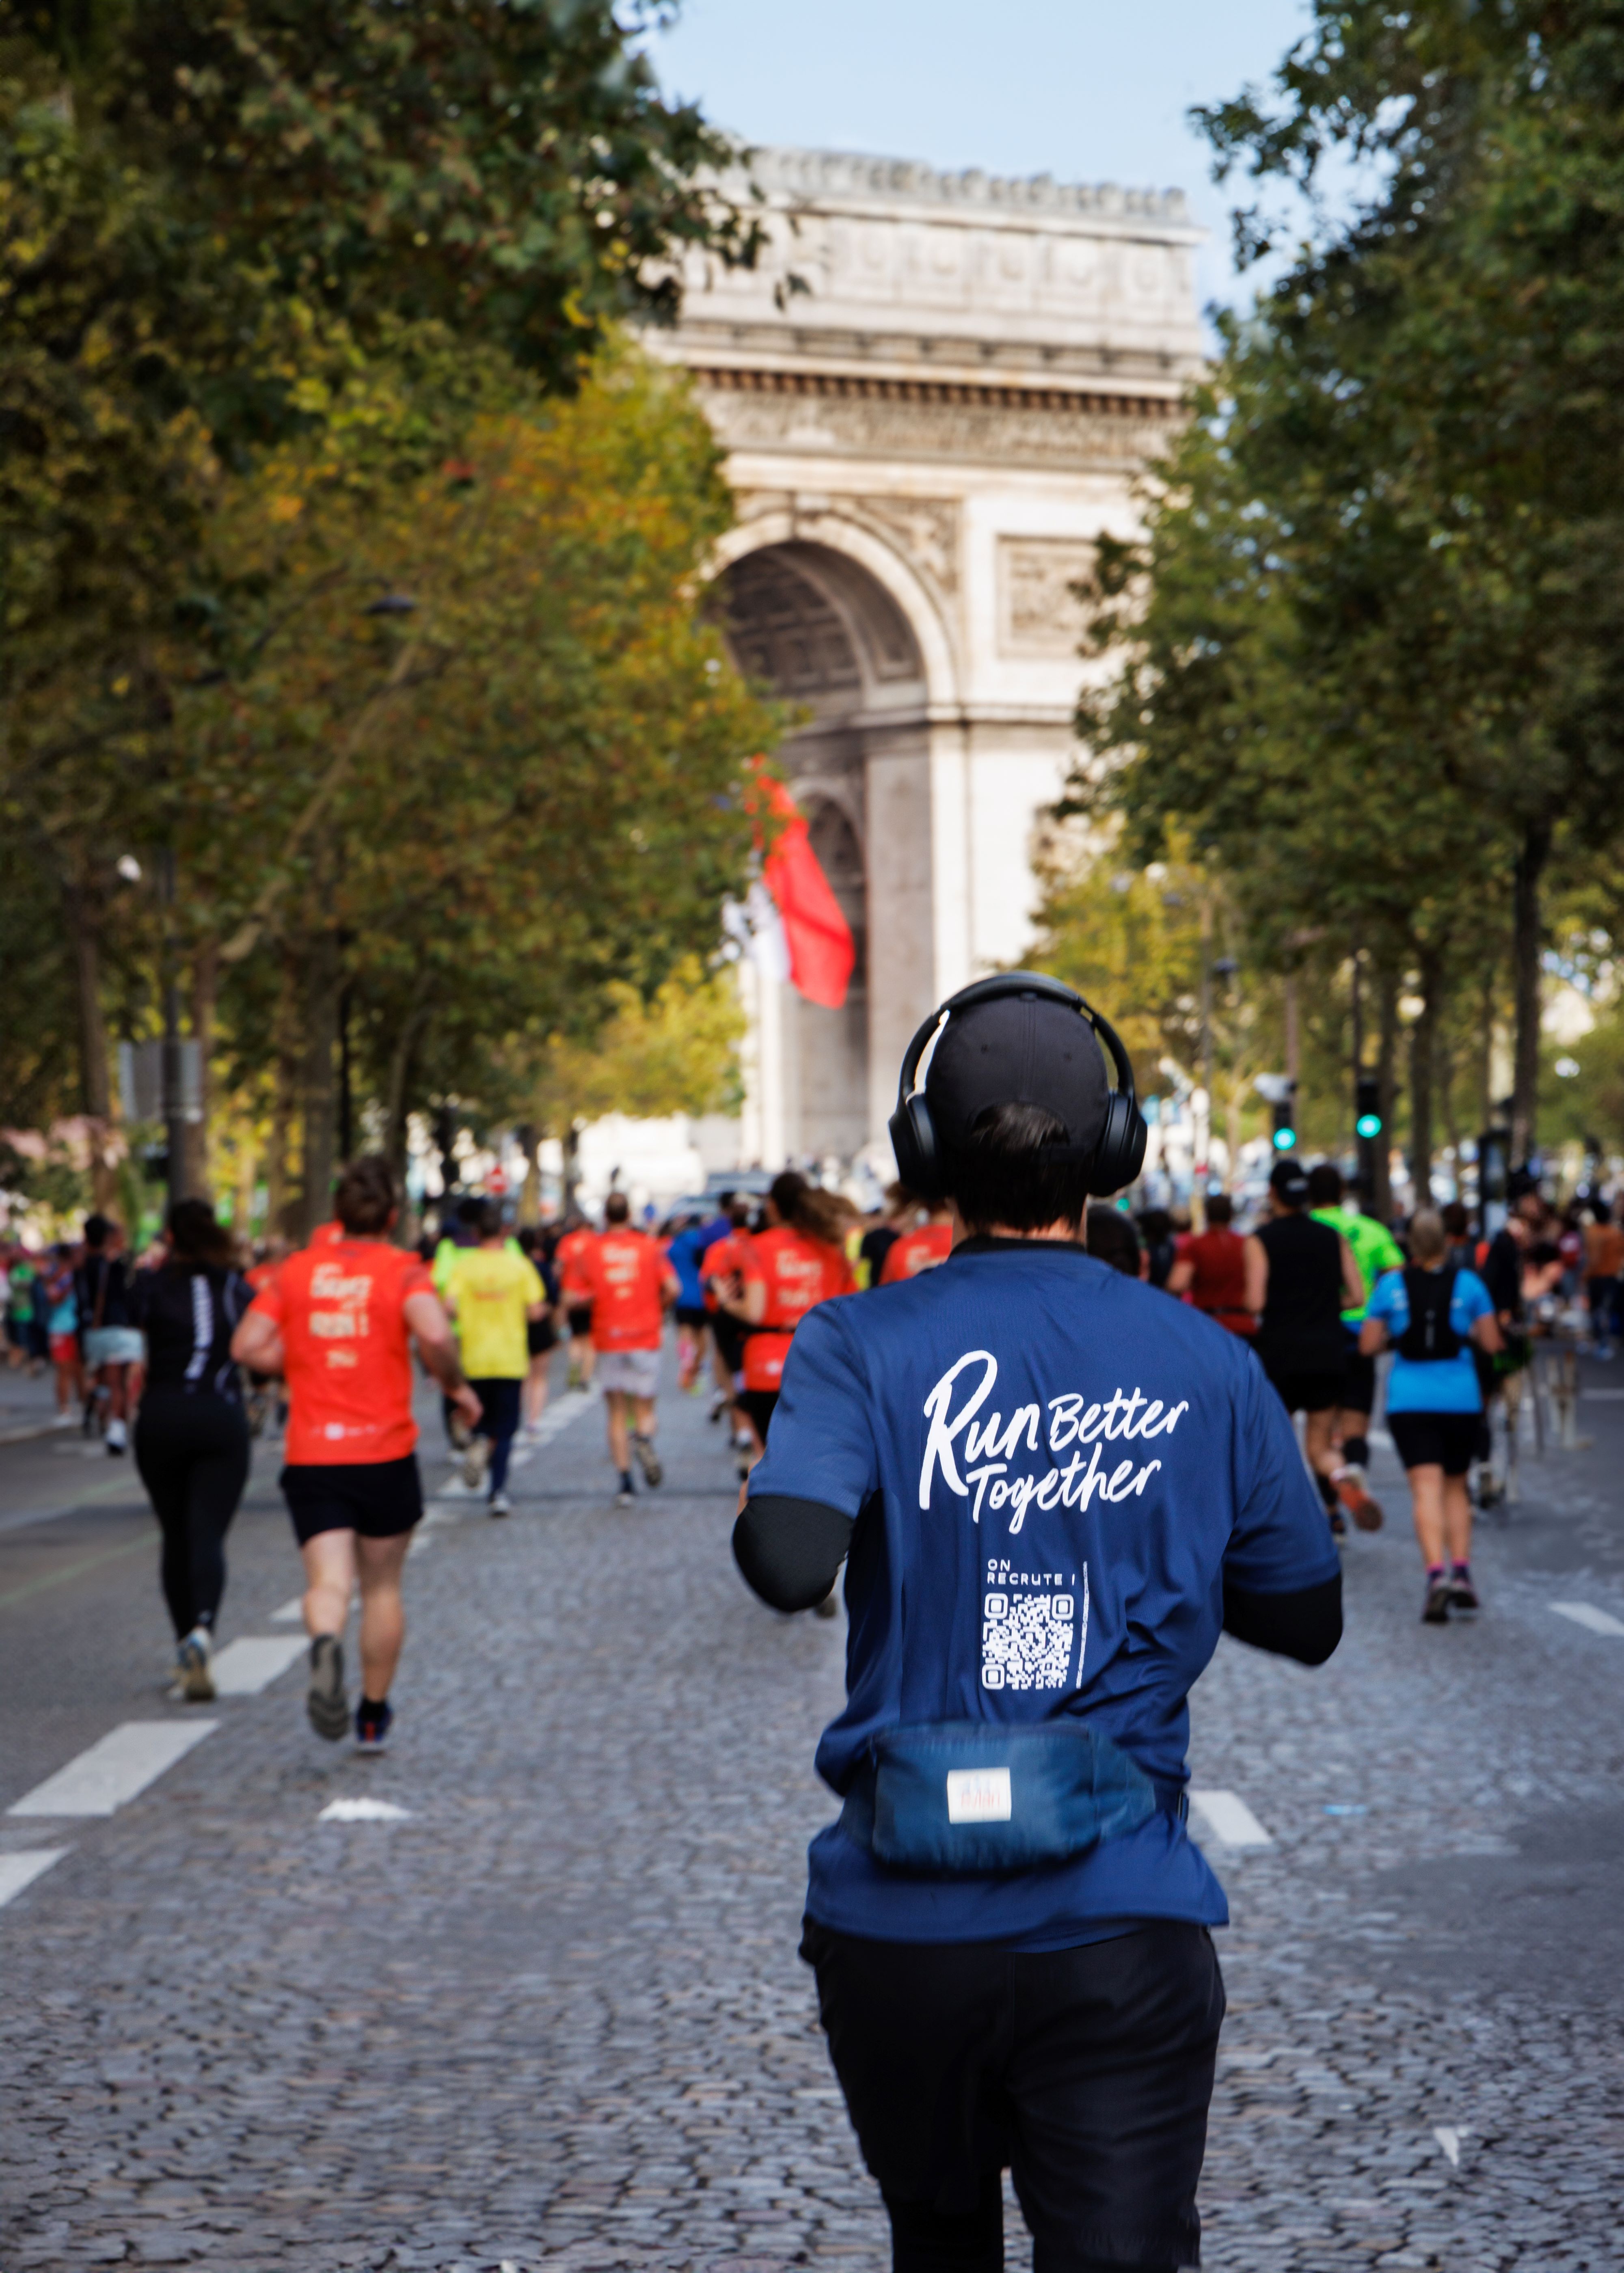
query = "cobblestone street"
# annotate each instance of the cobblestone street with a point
(551, 2014)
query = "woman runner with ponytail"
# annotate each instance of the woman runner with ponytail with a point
(798, 1262)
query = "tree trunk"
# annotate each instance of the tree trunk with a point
(1423, 1053)
(1486, 1054)
(1526, 942)
(83, 915)
(204, 989)
(1387, 1054)
(318, 1084)
(529, 1190)
(285, 1044)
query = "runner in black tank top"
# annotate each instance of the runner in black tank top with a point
(1300, 1275)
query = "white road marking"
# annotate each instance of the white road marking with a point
(363, 1810)
(21, 1870)
(1585, 1614)
(290, 1613)
(1600, 1396)
(1229, 1819)
(1449, 2136)
(243, 1668)
(122, 1764)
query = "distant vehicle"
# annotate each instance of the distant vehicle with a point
(756, 1181)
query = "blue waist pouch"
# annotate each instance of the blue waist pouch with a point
(978, 1796)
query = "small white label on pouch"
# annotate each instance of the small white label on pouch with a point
(978, 1795)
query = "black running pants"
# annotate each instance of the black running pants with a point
(192, 1450)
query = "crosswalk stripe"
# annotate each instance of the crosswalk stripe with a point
(245, 1666)
(21, 1870)
(1585, 1614)
(289, 1613)
(113, 1770)
(1230, 1820)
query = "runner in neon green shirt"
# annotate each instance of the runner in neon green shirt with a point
(1374, 1250)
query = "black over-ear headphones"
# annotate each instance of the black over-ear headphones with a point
(1115, 1160)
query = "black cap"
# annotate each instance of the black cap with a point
(1017, 1049)
(1290, 1180)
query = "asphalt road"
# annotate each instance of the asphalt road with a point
(550, 2013)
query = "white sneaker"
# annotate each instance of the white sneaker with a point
(476, 1460)
(62, 1421)
(116, 1438)
(193, 1667)
(500, 1504)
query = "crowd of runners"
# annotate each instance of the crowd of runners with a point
(184, 1354)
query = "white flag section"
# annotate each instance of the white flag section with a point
(757, 930)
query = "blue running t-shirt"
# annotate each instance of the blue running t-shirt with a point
(1436, 1385)
(1052, 1468)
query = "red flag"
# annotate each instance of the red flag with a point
(822, 951)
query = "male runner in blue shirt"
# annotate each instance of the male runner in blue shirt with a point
(1055, 1487)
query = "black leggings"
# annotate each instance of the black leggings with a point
(926, 2241)
(192, 1452)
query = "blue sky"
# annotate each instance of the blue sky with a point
(1087, 91)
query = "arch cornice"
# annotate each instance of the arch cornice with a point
(889, 567)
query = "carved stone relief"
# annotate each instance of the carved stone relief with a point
(1038, 612)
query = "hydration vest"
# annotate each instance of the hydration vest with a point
(1429, 1337)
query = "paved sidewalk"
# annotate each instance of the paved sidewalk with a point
(552, 2015)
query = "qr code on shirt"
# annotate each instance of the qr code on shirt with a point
(1027, 1640)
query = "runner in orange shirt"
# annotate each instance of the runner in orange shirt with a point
(798, 1262)
(573, 1260)
(339, 1320)
(632, 1287)
(922, 1248)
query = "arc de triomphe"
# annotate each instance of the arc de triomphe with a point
(933, 393)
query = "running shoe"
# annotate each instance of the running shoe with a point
(372, 1724)
(324, 1700)
(500, 1504)
(62, 1421)
(193, 1673)
(625, 1497)
(1439, 1595)
(648, 1460)
(118, 1439)
(1366, 1511)
(718, 1406)
(1462, 1594)
(476, 1460)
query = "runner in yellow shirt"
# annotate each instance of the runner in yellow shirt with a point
(493, 1290)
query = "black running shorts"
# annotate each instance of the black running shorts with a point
(540, 1336)
(378, 1499)
(692, 1315)
(580, 1315)
(760, 1403)
(1358, 1389)
(1437, 1440)
(1086, 2072)
(729, 1339)
(1306, 1392)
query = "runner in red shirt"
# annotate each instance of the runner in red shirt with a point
(922, 1248)
(339, 1320)
(572, 1259)
(1211, 1269)
(798, 1262)
(721, 1273)
(632, 1288)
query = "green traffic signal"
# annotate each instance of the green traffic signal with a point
(1368, 1124)
(1284, 1139)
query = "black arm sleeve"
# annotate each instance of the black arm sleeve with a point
(791, 1551)
(1306, 1626)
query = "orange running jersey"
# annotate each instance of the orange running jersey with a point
(916, 1251)
(721, 1259)
(573, 1259)
(798, 1273)
(628, 1273)
(340, 1307)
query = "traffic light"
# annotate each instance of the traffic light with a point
(1367, 1107)
(1285, 1124)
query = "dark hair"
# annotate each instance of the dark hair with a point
(367, 1195)
(809, 1208)
(488, 1221)
(1112, 1239)
(1325, 1185)
(1000, 1176)
(1156, 1224)
(96, 1229)
(196, 1237)
(617, 1208)
(1457, 1221)
(468, 1210)
(739, 1211)
(1220, 1209)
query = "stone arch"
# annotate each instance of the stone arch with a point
(807, 611)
